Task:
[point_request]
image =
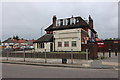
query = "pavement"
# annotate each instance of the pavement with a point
(108, 63)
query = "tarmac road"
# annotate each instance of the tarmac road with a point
(30, 71)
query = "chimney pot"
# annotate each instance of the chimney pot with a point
(90, 22)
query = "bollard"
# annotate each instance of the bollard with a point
(71, 57)
(109, 52)
(45, 57)
(115, 51)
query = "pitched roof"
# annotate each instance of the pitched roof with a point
(45, 38)
(97, 39)
(81, 24)
(21, 41)
(10, 41)
(31, 40)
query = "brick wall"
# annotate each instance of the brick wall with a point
(93, 49)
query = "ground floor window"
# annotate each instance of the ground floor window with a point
(59, 44)
(66, 44)
(40, 45)
(73, 43)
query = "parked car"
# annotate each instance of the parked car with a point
(18, 48)
(28, 48)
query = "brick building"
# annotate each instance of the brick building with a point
(110, 44)
(66, 34)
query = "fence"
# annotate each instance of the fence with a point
(69, 56)
(48, 55)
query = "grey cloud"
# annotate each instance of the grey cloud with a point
(26, 19)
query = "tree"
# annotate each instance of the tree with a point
(9, 38)
(17, 37)
(14, 37)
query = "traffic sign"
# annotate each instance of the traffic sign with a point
(100, 44)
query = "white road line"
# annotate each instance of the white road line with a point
(110, 63)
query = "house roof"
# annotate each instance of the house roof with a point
(31, 40)
(110, 40)
(97, 39)
(10, 41)
(81, 24)
(21, 41)
(45, 38)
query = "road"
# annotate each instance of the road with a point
(31, 71)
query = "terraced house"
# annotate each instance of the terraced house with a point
(17, 44)
(66, 35)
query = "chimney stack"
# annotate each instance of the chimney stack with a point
(54, 21)
(90, 22)
(68, 21)
(61, 22)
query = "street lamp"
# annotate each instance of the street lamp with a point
(71, 56)
(41, 31)
(45, 54)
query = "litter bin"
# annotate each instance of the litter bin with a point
(64, 61)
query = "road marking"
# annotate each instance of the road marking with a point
(116, 68)
(110, 63)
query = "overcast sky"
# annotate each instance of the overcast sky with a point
(26, 19)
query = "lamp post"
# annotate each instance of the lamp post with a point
(45, 54)
(24, 54)
(71, 56)
(41, 31)
(45, 57)
(86, 54)
(7, 55)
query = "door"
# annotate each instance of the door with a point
(51, 47)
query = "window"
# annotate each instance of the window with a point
(40, 45)
(59, 44)
(66, 43)
(73, 43)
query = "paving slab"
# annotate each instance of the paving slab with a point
(109, 63)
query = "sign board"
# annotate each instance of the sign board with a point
(116, 41)
(100, 44)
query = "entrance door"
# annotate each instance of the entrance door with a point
(51, 47)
